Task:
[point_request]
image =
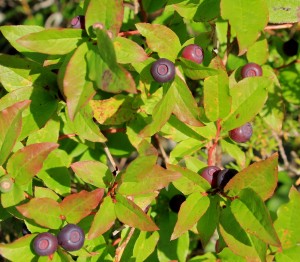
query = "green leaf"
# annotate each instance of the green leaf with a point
(253, 216)
(13, 197)
(176, 249)
(130, 214)
(287, 214)
(104, 218)
(18, 72)
(190, 182)
(113, 111)
(194, 163)
(160, 38)
(143, 176)
(55, 173)
(283, 11)
(234, 150)
(84, 126)
(145, 245)
(227, 255)
(93, 172)
(258, 53)
(44, 211)
(261, 176)
(28, 161)
(111, 77)
(40, 192)
(238, 240)
(248, 97)
(191, 210)
(195, 71)
(79, 205)
(19, 250)
(109, 13)
(207, 10)
(186, 8)
(14, 32)
(216, 98)
(53, 41)
(288, 255)
(239, 14)
(128, 52)
(76, 88)
(10, 128)
(207, 224)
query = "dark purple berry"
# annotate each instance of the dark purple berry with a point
(6, 183)
(250, 70)
(224, 176)
(163, 70)
(241, 134)
(194, 53)
(78, 22)
(45, 244)
(71, 237)
(209, 173)
(290, 47)
(176, 202)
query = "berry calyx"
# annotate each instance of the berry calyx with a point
(290, 47)
(78, 22)
(163, 70)
(176, 202)
(71, 237)
(6, 183)
(45, 244)
(193, 53)
(251, 70)
(210, 173)
(241, 134)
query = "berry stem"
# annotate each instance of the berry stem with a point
(129, 33)
(211, 149)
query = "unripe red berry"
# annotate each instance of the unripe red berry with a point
(241, 134)
(193, 53)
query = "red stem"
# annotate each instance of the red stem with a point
(211, 150)
(129, 33)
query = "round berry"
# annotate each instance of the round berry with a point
(6, 183)
(71, 237)
(78, 22)
(194, 53)
(250, 70)
(241, 134)
(45, 244)
(290, 47)
(209, 173)
(163, 70)
(224, 176)
(176, 202)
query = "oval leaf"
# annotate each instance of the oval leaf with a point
(79, 205)
(28, 161)
(129, 213)
(190, 212)
(261, 176)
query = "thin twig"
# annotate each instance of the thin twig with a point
(115, 170)
(162, 150)
(143, 12)
(229, 45)
(276, 27)
(122, 247)
(296, 61)
(129, 33)
(211, 149)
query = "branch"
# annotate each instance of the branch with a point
(129, 33)
(162, 150)
(115, 170)
(229, 45)
(122, 247)
(276, 27)
(211, 149)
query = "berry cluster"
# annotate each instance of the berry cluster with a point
(71, 238)
(163, 70)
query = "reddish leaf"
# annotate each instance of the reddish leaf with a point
(104, 218)
(10, 127)
(79, 205)
(129, 213)
(261, 177)
(28, 161)
(44, 211)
